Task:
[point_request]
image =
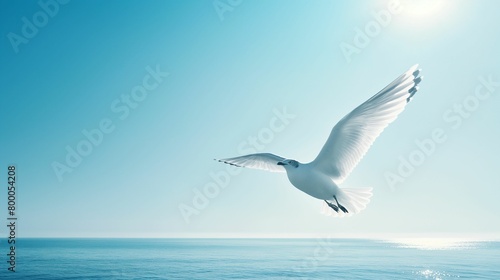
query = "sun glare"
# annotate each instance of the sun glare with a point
(430, 16)
(435, 243)
(424, 8)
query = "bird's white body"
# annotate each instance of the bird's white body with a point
(311, 181)
(348, 142)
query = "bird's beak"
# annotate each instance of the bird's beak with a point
(281, 163)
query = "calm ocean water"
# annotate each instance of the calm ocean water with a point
(321, 258)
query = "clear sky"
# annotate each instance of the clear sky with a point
(114, 111)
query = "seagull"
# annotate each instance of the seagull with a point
(348, 142)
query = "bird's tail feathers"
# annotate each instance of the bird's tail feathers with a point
(353, 199)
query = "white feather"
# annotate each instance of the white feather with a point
(353, 135)
(262, 161)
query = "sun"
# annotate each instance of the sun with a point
(425, 14)
(424, 8)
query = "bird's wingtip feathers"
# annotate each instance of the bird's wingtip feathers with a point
(416, 81)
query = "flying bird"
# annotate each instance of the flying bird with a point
(348, 142)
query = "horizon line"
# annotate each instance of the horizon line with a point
(378, 236)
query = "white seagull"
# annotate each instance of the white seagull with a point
(348, 142)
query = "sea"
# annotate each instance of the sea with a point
(240, 258)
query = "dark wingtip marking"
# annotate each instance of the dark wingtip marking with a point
(223, 161)
(417, 80)
(412, 92)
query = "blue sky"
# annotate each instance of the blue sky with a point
(224, 72)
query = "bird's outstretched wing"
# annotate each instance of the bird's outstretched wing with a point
(263, 161)
(353, 135)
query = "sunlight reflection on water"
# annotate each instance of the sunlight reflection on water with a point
(436, 275)
(436, 243)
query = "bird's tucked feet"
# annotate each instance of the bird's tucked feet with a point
(333, 206)
(340, 206)
(343, 209)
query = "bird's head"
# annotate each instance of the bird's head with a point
(289, 162)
